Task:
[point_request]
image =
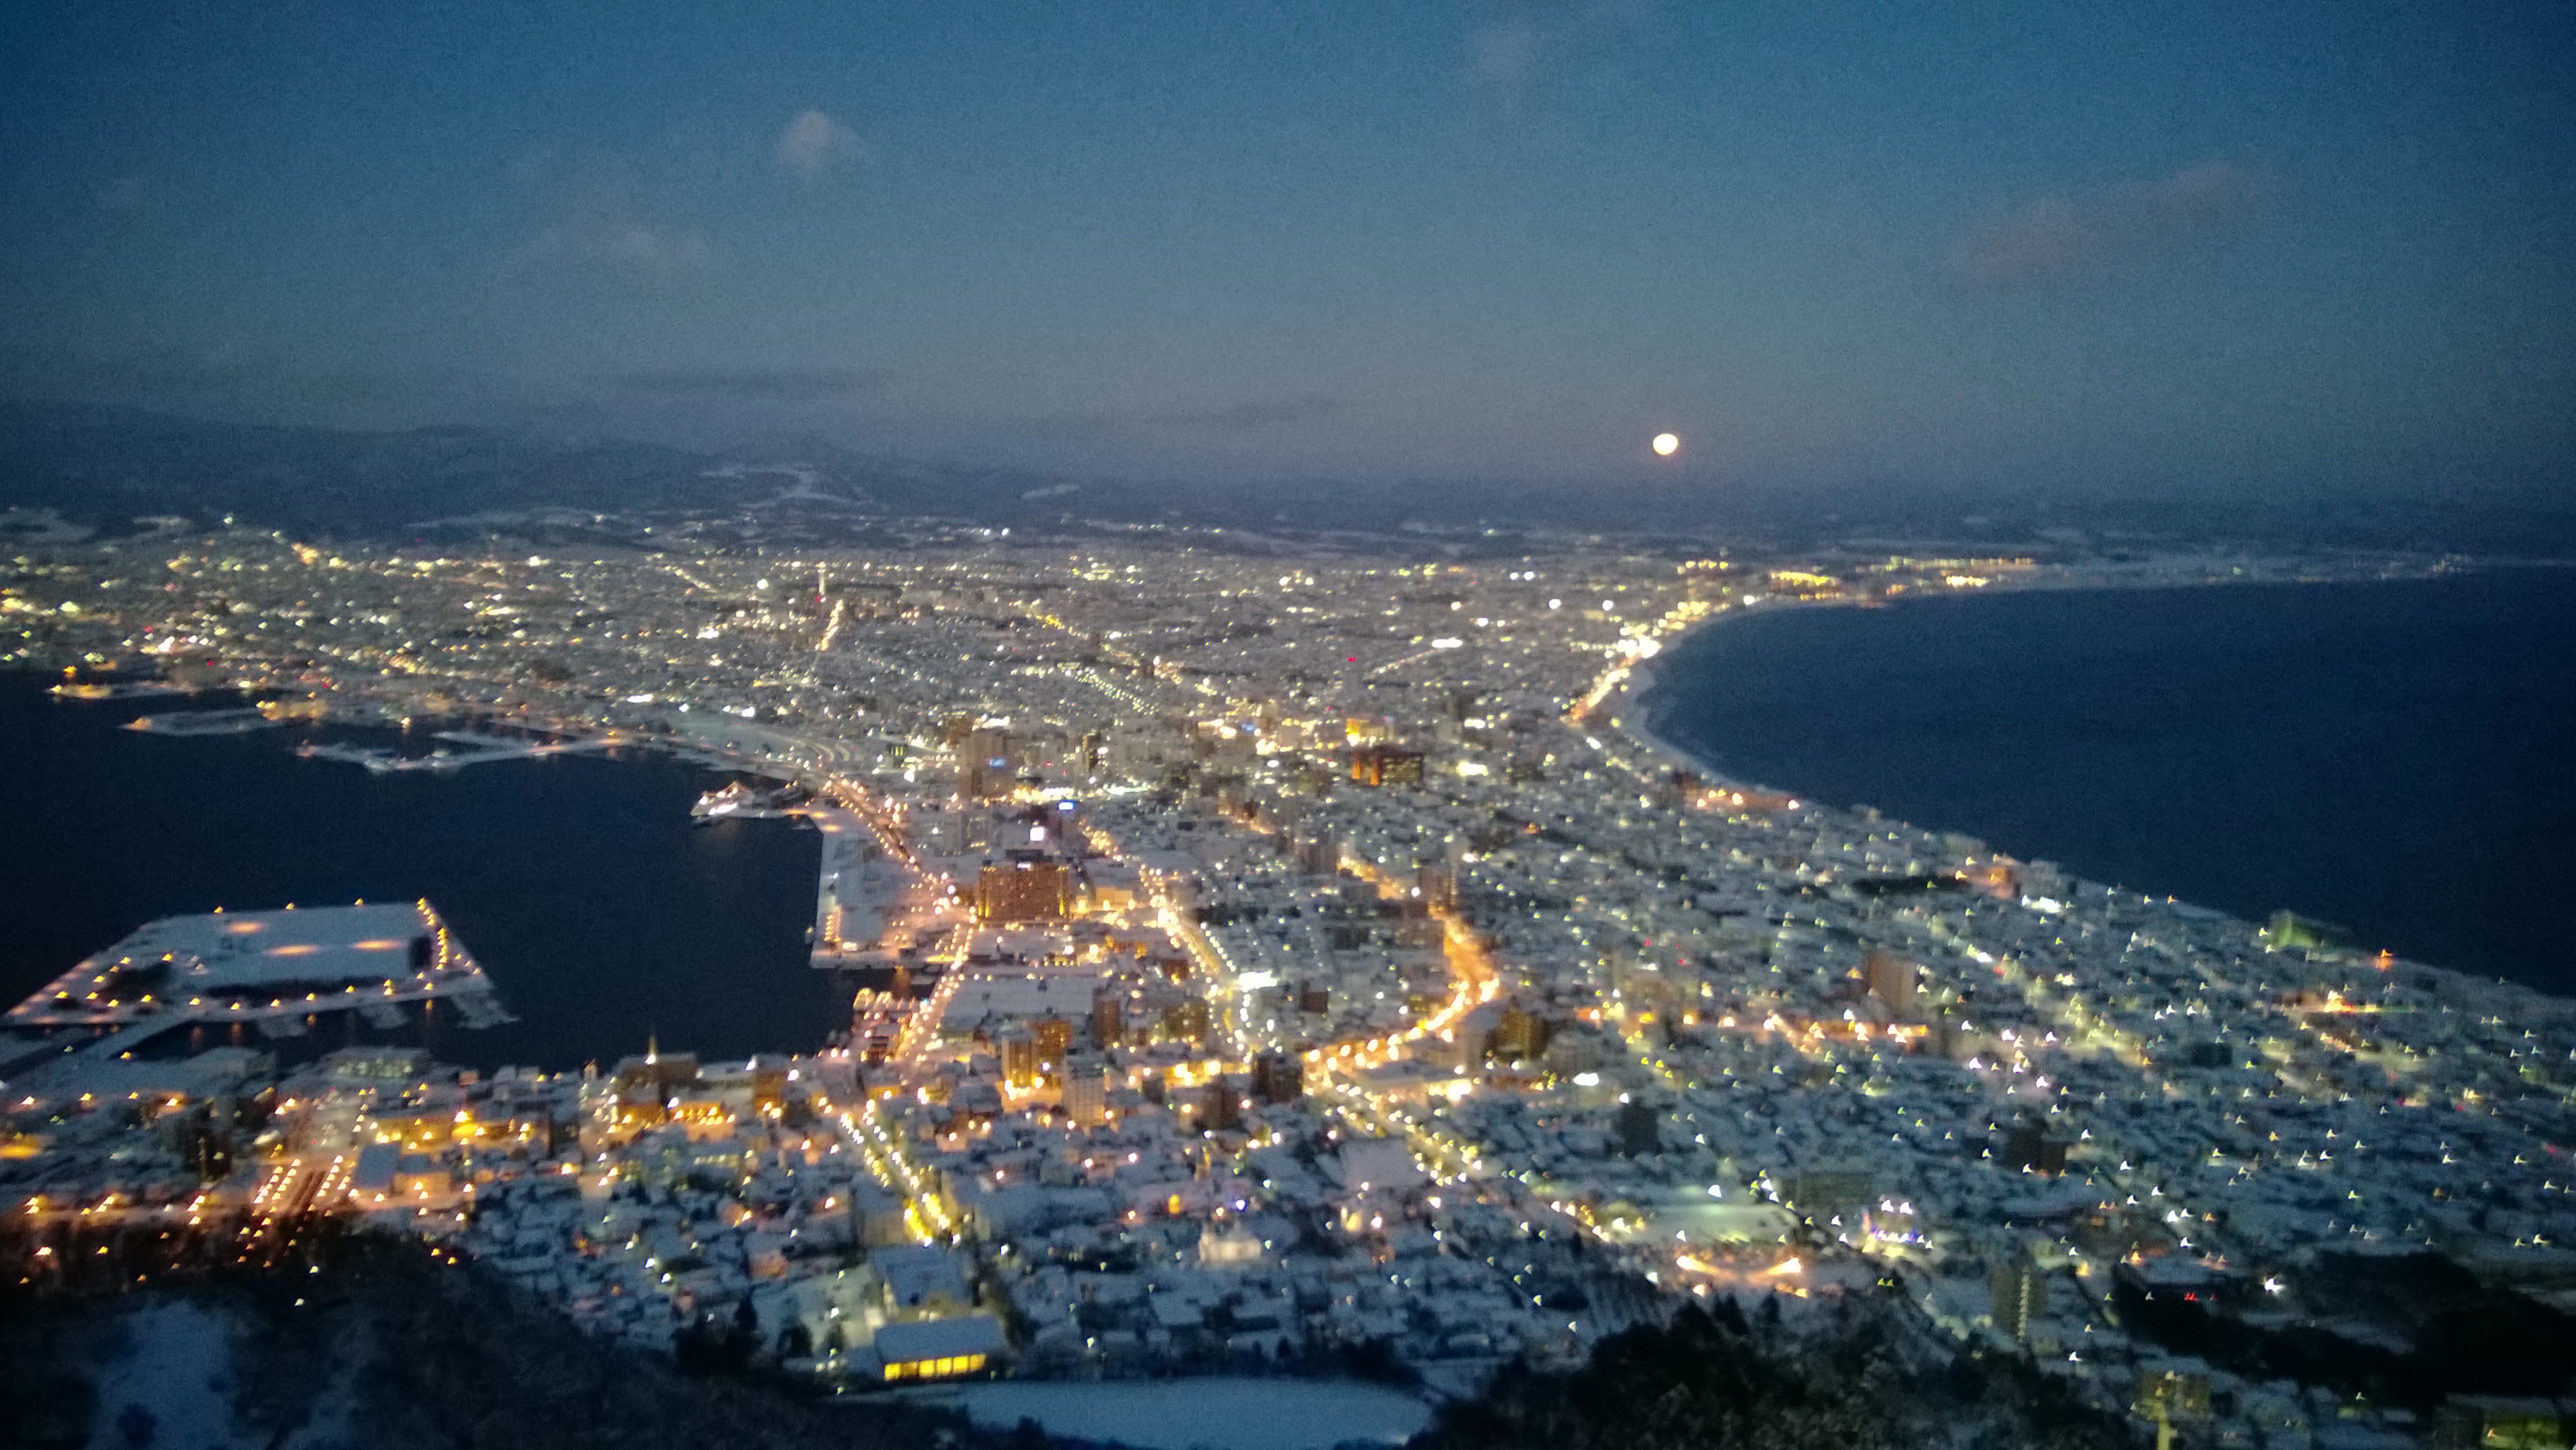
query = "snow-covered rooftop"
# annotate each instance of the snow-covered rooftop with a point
(305, 960)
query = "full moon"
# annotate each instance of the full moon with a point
(1667, 444)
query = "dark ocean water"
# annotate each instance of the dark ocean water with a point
(578, 881)
(2399, 758)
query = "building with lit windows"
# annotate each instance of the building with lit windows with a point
(1025, 887)
(1383, 765)
(932, 1349)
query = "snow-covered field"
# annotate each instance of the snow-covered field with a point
(178, 1371)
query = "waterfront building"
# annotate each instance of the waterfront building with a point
(273, 970)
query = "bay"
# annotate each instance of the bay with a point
(577, 881)
(2396, 757)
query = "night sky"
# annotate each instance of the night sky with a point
(2246, 247)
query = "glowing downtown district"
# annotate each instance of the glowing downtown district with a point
(1278, 954)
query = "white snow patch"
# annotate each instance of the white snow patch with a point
(179, 1371)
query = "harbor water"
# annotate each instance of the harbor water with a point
(577, 880)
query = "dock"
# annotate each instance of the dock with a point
(483, 748)
(202, 722)
(274, 971)
(853, 875)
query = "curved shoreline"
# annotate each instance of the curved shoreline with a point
(1629, 708)
(1641, 717)
(1644, 677)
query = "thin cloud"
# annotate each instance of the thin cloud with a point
(2059, 237)
(1503, 59)
(813, 145)
(756, 385)
(1529, 44)
(589, 218)
(620, 244)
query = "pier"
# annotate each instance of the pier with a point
(874, 904)
(202, 722)
(848, 916)
(483, 748)
(273, 970)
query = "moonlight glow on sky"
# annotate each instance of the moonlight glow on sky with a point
(2281, 248)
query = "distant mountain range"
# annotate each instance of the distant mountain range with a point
(101, 465)
(107, 467)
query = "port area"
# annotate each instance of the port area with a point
(874, 907)
(743, 801)
(117, 690)
(481, 748)
(850, 888)
(204, 722)
(277, 971)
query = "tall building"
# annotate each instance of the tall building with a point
(2021, 1295)
(659, 1073)
(1108, 1018)
(984, 778)
(1086, 1092)
(1437, 883)
(1279, 1077)
(1024, 887)
(1055, 1039)
(1521, 1036)
(1636, 1129)
(1221, 1104)
(2027, 1145)
(1891, 977)
(1386, 765)
(1019, 1057)
(1186, 1020)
